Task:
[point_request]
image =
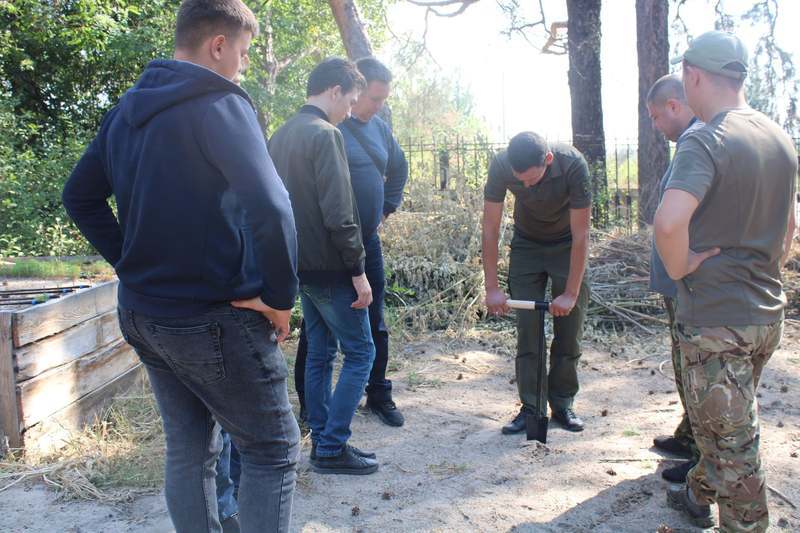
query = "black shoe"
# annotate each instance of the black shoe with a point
(387, 412)
(231, 524)
(360, 453)
(672, 445)
(517, 425)
(347, 462)
(678, 498)
(568, 419)
(677, 474)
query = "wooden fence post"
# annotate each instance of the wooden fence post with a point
(9, 412)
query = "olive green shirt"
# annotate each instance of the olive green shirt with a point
(741, 167)
(541, 212)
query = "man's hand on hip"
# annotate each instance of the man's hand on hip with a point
(364, 292)
(278, 318)
(696, 259)
(496, 301)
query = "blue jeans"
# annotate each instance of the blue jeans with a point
(378, 387)
(220, 369)
(330, 320)
(228, 477)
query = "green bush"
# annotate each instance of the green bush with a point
(32, 175)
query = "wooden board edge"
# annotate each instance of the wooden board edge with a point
(101, 299)
(9, 400)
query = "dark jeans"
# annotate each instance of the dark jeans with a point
(220, 369)
(531, 265)
(330, 322)
(378, 388)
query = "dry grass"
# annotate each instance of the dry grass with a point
(118, 456)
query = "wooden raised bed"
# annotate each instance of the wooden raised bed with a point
(60, 364)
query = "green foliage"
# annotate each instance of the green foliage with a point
(64, 64)
(296, 35)
(31, 178)
(427, 103)
(69, 268)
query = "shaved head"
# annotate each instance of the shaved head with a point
(669, 87)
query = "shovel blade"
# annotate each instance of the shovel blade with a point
(536, 427)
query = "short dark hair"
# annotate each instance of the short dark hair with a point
(526, 150)
(200, 19)
(332, 72)
(719, 80)
(665, 88)
(374, 70)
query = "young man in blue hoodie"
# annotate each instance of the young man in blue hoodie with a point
(205, 248)
(378, 173)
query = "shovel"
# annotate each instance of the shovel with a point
(536, 424)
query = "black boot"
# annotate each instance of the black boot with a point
(386, 410)
(677, 474)
(568, 419)
(672, 445)
(678, 498)
(517, 425)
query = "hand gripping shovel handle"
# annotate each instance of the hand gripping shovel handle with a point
(536, 423)
(531, 305)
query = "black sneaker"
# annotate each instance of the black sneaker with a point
(678, 498)
(347, 462)
(677, 474)
(568, 419)
(672, 445)
(387, 412)
(360, 453)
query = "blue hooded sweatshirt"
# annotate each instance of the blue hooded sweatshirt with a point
(203, 217)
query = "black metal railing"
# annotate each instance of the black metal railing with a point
(459, 164)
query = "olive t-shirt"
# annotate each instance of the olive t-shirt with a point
(541, 212)
(741, 167)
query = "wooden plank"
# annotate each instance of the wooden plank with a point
(51, 391)
(48, 318)
(65, 347)
(54, 431)
(9, 405)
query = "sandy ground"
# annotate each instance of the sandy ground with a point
(450, 469)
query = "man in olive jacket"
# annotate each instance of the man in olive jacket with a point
(309, 154)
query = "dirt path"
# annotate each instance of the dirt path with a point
(450, 469)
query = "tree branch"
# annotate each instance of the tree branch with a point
(432, 6)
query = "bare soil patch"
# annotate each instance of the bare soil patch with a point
(450, 469)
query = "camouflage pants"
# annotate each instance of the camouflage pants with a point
(683, 432)
(721, 370)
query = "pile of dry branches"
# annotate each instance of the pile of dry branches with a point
(435, 277)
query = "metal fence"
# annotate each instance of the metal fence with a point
(462, 164)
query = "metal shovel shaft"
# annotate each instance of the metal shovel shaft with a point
(536, 423)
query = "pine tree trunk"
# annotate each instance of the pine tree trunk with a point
(354, 37)
(652, 45)
(588, 136)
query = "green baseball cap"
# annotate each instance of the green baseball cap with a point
(718, 52)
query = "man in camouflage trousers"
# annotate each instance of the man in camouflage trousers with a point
(723, 229)
(672, 116)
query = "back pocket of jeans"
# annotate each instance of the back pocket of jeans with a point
(193, 352)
